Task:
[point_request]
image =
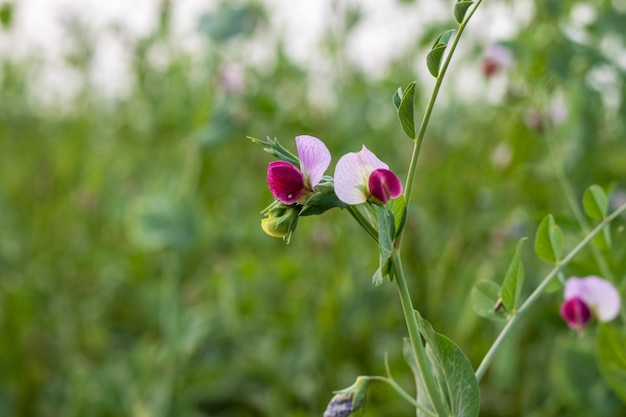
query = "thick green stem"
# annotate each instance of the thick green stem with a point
(419, 351)
(482, 368)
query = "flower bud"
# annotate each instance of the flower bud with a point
(280, 221)
(348, 400)
(339, 406)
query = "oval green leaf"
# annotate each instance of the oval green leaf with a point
(460, 9)
(433, 59)
(405, 111)
(485, 299)
(397, 98)
(513, 280)
(454, 374)
(549, 240)
(595, 202)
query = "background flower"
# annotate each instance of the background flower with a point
(587, 297)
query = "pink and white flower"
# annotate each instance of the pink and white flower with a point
(288, 183)
(361, 176)
(589, 297)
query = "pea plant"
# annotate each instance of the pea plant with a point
(446, 383)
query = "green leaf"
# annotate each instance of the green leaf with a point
(549, 240)
(433, 59)
(612, 357)
(595, 202)
(485, 299)
(397, 98)
(405, 111)
(386, 235)
(513, 280)
(398, 209)
(460, 8)
(453, 373)
(603, 240)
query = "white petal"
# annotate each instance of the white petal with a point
(314, 159)
(350, 185)
(369, 161)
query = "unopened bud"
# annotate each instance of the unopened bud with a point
(281, 221)
(348, 400)
(339, 406)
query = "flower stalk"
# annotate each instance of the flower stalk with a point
(506, 330)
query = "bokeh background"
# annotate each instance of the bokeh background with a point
(135, 279)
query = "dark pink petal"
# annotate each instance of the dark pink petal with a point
(285, 181)
(599, 294)
(575, 313)
(384, 184)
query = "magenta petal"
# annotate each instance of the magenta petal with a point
(384, 184)
(314, 159)
(575, 313)
(598, 293)
(285, 181)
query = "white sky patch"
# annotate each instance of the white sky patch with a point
(387, 29)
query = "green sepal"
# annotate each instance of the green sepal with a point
(273, 147)
(323, 199)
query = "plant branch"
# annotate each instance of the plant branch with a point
(482, 368)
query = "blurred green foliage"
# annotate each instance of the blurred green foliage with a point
(135, 278)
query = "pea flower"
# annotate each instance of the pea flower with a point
(589, 297)
(361, 176)
(289, 184)
(497, 57)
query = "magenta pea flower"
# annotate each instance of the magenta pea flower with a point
(360, 176)
(288, 183)
(589, 297)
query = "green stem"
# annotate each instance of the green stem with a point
(419, 351)
(408, 189)
(405, 395)
(575, 208)
(482, 368)
(363, 222)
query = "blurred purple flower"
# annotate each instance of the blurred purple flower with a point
(232, 77)
(360, 176)
(589, 297)
(288, 183)
(497, 57)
